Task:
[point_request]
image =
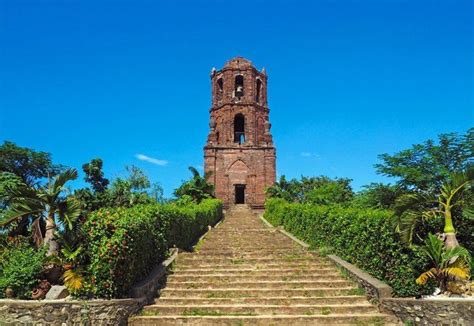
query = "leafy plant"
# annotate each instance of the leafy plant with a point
(47, 202)
(198, 188)
(20, 269)
(73, 280)
(448, 263)
(413, 207)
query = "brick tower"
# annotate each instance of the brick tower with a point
(239, 150)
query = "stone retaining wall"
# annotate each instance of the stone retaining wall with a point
(431, 312)
(73, 312)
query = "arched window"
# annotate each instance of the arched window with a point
(258, 91)
(239, 86)
(239, 129)
(220, 85)
(219, 88)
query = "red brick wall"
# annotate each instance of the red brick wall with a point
(253, 162)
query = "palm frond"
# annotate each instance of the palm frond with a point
(194, 171)
(424, 277)
(456, 272)
(60, 180)
(73, 280)
(69, 210)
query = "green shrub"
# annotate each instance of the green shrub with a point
(124, 244)
(20, 269)
(364, 237)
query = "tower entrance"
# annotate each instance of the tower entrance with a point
(239, 194)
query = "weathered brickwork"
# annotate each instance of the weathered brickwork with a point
(239, 150)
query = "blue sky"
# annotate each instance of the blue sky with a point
(348, 80)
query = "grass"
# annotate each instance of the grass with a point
(145, 312)
(356, 291)
(325, 251)
(325, 311)
(237, 261)
(205, 312)
(377, 321)
(198, 245)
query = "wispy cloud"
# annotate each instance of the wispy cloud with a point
(151, 160)
(308, 154)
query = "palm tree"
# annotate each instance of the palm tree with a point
(198, 188)
(47, 202)
(413, 207)
(448, 263)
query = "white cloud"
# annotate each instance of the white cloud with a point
(151, 160)
(308, 154)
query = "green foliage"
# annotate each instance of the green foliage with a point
(47, 202)
(123, 192)
(364, 237)
(197, 188)
(124, 244)
(426, 166)
(20, 268)
(316, 190)
(455, 196)
(26, 163)
(447, 263)
(95, 175)
(377, 195)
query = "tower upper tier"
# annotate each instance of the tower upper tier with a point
(238, 82)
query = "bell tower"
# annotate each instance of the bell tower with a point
(239, 151)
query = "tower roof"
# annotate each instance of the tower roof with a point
(239, 63)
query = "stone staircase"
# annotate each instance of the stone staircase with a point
(245, 273)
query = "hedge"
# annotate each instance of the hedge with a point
(364, 237)
(124, 244)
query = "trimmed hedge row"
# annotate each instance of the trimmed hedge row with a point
(124, 244)
(364, 237)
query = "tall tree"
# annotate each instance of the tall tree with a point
(28, 164)
(95, 175)
(427, 166)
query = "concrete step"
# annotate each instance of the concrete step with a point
(254, 278)
(242, 264)
(268, 300)
(287, 320)
(246, 309)
(257, 292)
(258, 284)
(202, 259)
(261, 252)
(257, 272)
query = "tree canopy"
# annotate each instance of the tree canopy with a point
(26, 163)
(428, 165)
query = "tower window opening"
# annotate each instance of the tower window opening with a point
(239, 129)
(220, 88)
(259, 89)
(239, 86)
(220, 85)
